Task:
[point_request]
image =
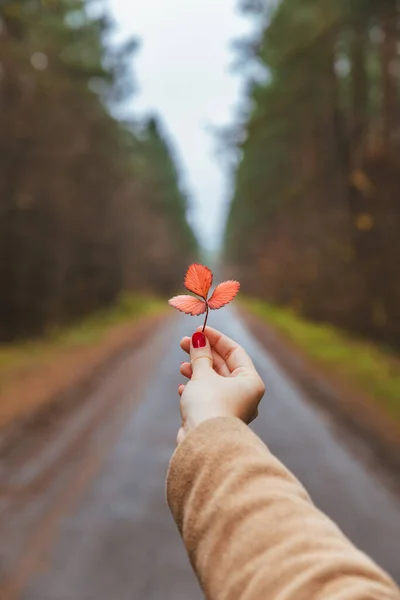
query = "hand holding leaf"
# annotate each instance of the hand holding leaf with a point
(198, 279)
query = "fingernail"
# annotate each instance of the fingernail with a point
(199, 340)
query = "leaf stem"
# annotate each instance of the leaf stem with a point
(205, 321)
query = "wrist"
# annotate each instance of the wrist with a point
(203, 414)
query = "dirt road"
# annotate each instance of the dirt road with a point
(82, 508)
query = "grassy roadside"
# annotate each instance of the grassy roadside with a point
(31, 372)
(364, 364)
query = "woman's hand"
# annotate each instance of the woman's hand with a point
(223, 381)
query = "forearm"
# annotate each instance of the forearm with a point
(250, 528)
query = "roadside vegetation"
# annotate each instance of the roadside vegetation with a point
(19, 358)
(32, 373)
(374, 369)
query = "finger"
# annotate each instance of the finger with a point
(181, 389)
(185, 344)
(233, 354)
(254, 417)
(220, 365)
(200, 355)
(186, 370)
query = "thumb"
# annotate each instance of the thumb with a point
(200, 354)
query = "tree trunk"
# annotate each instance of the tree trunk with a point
(359, 90)
(390, 75)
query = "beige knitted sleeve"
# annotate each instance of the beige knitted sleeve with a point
(251, 530)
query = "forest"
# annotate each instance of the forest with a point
(314, 223)
(90, 206)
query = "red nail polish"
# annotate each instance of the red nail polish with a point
(199, 340)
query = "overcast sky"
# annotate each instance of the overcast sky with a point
(184, 74)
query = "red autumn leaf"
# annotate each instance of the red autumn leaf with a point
(198, 279)
(188, 305)
(223, 294)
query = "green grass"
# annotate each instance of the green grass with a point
(372, 369)
(92, 329)
(28, 356)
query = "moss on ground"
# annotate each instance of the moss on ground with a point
(26, 357)
(373, 369)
